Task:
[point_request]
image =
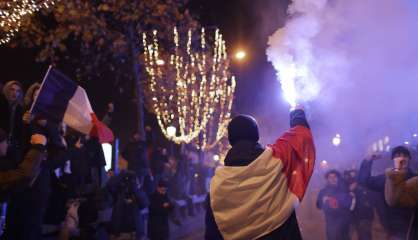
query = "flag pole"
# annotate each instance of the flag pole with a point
(42, 84)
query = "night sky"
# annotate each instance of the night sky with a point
(245, 24)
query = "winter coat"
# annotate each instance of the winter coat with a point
(6, 122)
(13, 125)
(128, 200)
(135, 154)
(403, 193)
(95, 153)
(394, 219)
(243, 155)
(336, 210)
(364, 203)
(158, 227)
(25, 172)
(27, 207)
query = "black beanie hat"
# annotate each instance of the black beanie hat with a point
(3, 135)
(400, 150)
(242, 127)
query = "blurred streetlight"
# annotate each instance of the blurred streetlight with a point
(160, 62)
(324, 164)
(171, 131)
(415, 135)
(380, 145)
(336, 140)
(240, 55)
(406, 143)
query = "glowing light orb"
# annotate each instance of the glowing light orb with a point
(336, 141)
(240, 55)
(324, 164)
(160, 62)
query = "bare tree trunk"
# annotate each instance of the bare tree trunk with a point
(137, 80)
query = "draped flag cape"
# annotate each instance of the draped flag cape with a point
(251, 201)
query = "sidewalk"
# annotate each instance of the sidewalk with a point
(192, 228)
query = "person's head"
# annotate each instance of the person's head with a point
(162, 187)
(13, 91)
(332, 177)
(401, 157)
(242, 127)
(3, 143)
(32, 93)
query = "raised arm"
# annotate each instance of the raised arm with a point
(296, 150)
(366, 179)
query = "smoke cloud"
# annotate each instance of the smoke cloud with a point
(355, 63)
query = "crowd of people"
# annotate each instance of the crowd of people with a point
(53, 183)
(351, 200)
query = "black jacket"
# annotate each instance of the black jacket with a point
(24, 173)
(135, 154)
(128, 199)
(242, 154)
(158, 227)
(6, 123)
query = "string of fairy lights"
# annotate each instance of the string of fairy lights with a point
(190, 86)
(13, 12)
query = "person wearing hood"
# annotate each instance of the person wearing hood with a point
(395, 220)
(11, 117)
(254, 195)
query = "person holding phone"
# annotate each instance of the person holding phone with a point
(395, 220)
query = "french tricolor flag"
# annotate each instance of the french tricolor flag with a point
(249, 202)
(61, 100)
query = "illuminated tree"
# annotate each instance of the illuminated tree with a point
(98, 38)
(14, 13)
(190, 86)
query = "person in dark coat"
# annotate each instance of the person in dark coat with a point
(135, 154)
(10, 178)
(159, 210)
(11, 117)
(400, 192)
(395, 220)
(95, 159)
(335, 201)
(27, 207)
(363, 212)
(235, 208)
(129, 199)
